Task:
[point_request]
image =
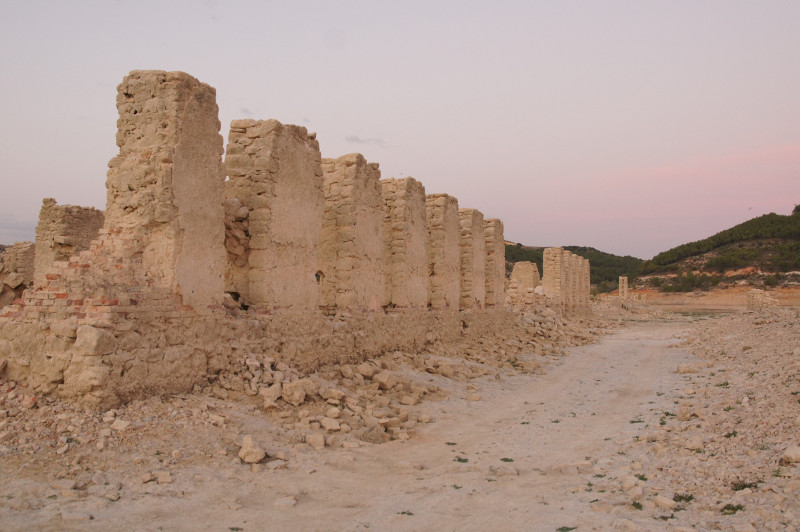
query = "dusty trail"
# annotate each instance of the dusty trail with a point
(558, 429)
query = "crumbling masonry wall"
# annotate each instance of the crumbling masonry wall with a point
(473, 259)
(351, 254)
(495, 262)
(63, 231)
(275, 173)
(131, 315)
(405, 237)
(16, 271)
(444, 251)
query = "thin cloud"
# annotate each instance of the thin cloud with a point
(358, 140)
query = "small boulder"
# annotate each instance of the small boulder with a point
(251, 452)
(385, 380)
(294, 393)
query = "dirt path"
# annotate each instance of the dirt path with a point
(557, 431)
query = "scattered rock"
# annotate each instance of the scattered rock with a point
(662, 502)
(285, 502)
(120, 425)
(316, 440)
(294, 393)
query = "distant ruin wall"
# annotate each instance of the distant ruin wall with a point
(62, 231)
(351, 254)
(565, 279)
(405, 238)
(495, 262)
(275, 173)
(522, 284)
(444, 251)
(473, 259)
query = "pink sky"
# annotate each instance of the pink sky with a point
(627, 126)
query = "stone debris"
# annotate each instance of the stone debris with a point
(727, 454)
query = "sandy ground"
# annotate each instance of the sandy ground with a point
(524, 457)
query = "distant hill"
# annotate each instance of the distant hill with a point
(768, 244)
(606, 268)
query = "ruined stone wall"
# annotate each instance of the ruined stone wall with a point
(142, 310)
(473, 259)
(405, 237)
(623, 288)
(444, 251)
(166, 183)
(62, 231)
(16, 271)
(351, 254)
(275, 172)
(522, 284)
(495, 262)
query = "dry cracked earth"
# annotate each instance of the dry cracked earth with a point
(666, 422)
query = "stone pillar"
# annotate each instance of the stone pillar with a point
(473, 259)
(164, 188)
(351, 255)
(444, 251)
(495, 262)
(62, 231)
(275, 191)
(552, 275)
(623, 287)
(405, 243)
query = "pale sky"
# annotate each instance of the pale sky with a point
(630, 127)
